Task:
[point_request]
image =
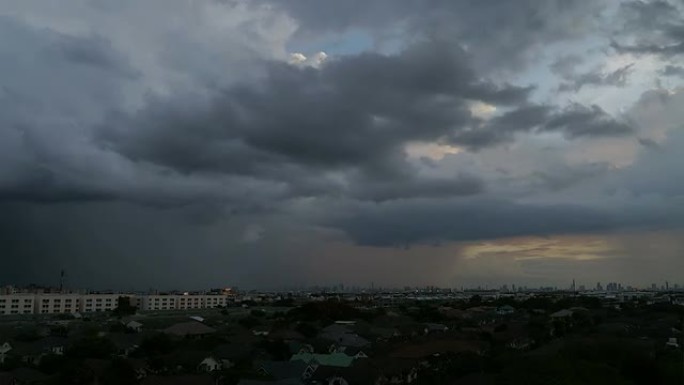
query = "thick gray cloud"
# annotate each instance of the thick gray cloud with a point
(572, 121)
(130, 139)
(498, 34)
(655, 27)
(617, 78)
(428, 221)
(354, 115)
(577, 120)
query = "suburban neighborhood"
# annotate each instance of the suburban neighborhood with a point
(428, 337)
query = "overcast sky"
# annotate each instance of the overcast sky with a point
(263, 143)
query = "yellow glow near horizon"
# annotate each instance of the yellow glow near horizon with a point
(581, 248)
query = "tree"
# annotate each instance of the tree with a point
(124, 307)
(91, 347)
(156, 344)
(306, 329)
(119, 372)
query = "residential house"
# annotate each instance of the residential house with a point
(210, 364)
(135, 326)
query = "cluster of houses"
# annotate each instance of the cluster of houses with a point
(393, 346)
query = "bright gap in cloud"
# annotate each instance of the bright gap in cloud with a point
(434, 151)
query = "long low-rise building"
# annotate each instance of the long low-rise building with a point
(56, 303)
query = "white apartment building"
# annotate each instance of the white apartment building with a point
(158, 302)
(181, 301)
(56, 303)
(99, 302)
(17, 304)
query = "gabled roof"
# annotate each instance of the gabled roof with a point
(191, 328)
(134, 324)
(333, 359)
(562, 314)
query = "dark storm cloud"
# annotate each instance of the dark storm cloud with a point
(369, 188)
(354, 114)
(578, 121)
(500, 34)
(617, 78)
(94, 51)
(648, 14)
(163, 148)
(657, 28)
(427, 221)
(560, 178)
(503, 128)
(573, 121)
